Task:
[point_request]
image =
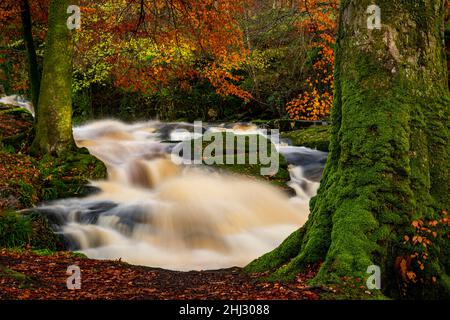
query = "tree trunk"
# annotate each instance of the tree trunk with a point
(54, 125)
(33, 66)
(389, 155)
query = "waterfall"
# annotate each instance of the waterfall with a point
(152, 212)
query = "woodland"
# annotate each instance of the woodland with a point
(94, 92)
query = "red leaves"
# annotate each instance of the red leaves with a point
(46, 279)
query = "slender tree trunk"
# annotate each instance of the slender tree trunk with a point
(54, 125)
(389, 155)
(33, 66)
(447, 40)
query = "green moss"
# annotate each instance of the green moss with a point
(254, 170)
(27, 193)
(280, 178)
(9, 273)
(352, 289)
(389, 152)
(43, 252)
(42, 236)
(275, 259)
(54, 111)
(317, 137)
(24, 281)
(78, 255)
(69, 175)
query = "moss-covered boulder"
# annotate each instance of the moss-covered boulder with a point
(250, 146)
(317, 137)
(69, 175)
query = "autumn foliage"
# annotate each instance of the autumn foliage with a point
(12, 67)
(148, 46)
(420, 245)
(315, 101)
(171, 45)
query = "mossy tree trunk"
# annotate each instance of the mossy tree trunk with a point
(389, 154)
(33, 65)
(54, 125)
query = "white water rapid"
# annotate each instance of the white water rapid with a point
(152, 212)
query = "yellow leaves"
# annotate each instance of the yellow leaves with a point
(311, 105)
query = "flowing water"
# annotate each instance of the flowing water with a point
(152, 212)
(18, 101)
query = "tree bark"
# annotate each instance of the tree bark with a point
(33, 66)
(54, 125)
(389, 154)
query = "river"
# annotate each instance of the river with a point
(150, 211)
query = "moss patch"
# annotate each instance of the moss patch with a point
(28, 181)
(244, 151)
(69, 175)
(352, 289)
(274, 259)
(317, 137)
(9, 273)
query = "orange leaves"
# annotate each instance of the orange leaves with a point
(223, 80)
(411, 276)
(415, 223)
(316, 100)
(172, 43)
(402, 265)
(423, 246)
(310, 106)
(9, 12)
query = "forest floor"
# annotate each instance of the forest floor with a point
(25, 274)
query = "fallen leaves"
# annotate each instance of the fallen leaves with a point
(44, 277)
